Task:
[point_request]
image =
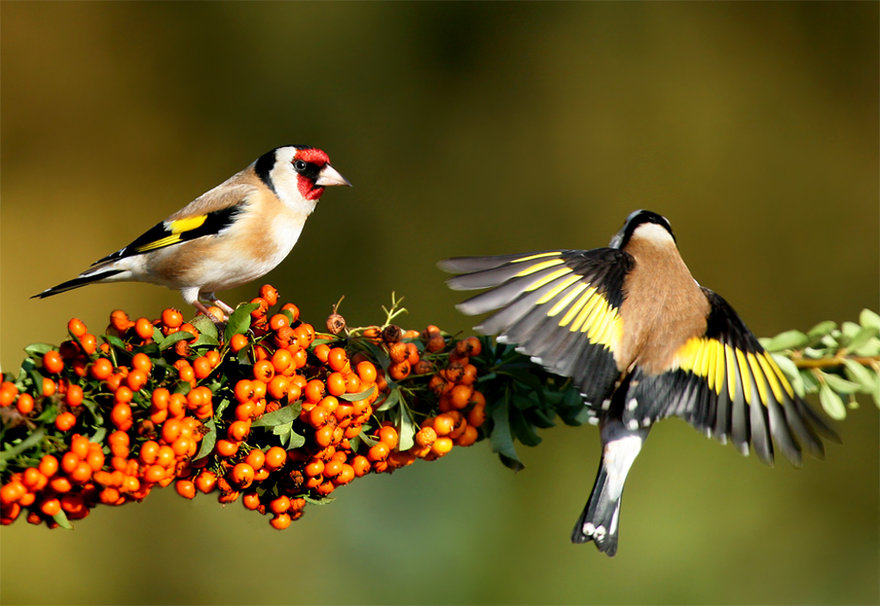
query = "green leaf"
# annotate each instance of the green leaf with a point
(862, 337)
(868, 318)
(869, 349)
(170, 340)
(38, 349)
(523, 429)
(790, 339)
(361, 395)
(32, 440)
(406, 429)
(240, 320)
(831, 403)
(501, 437)
(61, 519)
(839, 384)
(790, 370)
(285, 414)
(392, 399)
(865, 378)
(821, 329)
(117, 343)
(207, 331)
(208, 440)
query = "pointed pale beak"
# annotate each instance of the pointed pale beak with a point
(330, 176)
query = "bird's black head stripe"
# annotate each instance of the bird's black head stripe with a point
(633, 221)
(263, 166)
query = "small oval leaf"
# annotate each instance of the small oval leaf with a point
(832, 403)
(790, 339)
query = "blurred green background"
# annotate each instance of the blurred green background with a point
(466, 129)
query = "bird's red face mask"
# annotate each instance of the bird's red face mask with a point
(315, 173)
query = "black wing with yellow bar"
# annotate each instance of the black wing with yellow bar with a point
(559, 307)
(727, 385)
(169, 233)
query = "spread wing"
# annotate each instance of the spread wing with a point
(559, 307)
(727, 385)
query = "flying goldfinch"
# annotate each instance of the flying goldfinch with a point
(228, 236)
(643, 341)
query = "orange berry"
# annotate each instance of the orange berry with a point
(378, 452)
(242, 475)
(278, 386)
(322, 352)
(324, 436)
(305, 334)
(120, 416)
(279, 505)
(388, 435)
(441, 446)
(201, 367)
(367, 372)
(25, 403)
(172, 318)
(263, 371)
(76, 327)
(276, 457)
(256, 459)
(185, 488)
(468, 437)
(318, 416)
(425, 436)
(74, 395)
(101, 369)
(282, 360)
(336, 384)
(238, 342)
(51, 507)
(136, 379)
(144, 328)
(269, 293)
(332, 468)
(65, 421)
(337, 358)
(259, 389)
(399, 371)
(460, 396)
(226, 448)
(443, 424)
(89, 343)
(206, 481)
(48, 465)
(314, 390)
(435, 343)
(280, 521)
(238, 430)
(277, 321)
(244, 390)
(52, 362)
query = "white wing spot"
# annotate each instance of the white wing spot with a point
(632, 424)
(632, 404)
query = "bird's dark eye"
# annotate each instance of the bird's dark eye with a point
(300, 166)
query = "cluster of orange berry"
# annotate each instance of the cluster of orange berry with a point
(258, 406)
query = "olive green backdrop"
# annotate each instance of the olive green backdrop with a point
(466, 129)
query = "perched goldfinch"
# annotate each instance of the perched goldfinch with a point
(228, 236)
(642, 340)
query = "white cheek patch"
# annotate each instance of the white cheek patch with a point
(653, 233)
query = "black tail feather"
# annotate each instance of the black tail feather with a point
(598, 521)
(76, 283)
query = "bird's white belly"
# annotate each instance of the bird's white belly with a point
(236, 266)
